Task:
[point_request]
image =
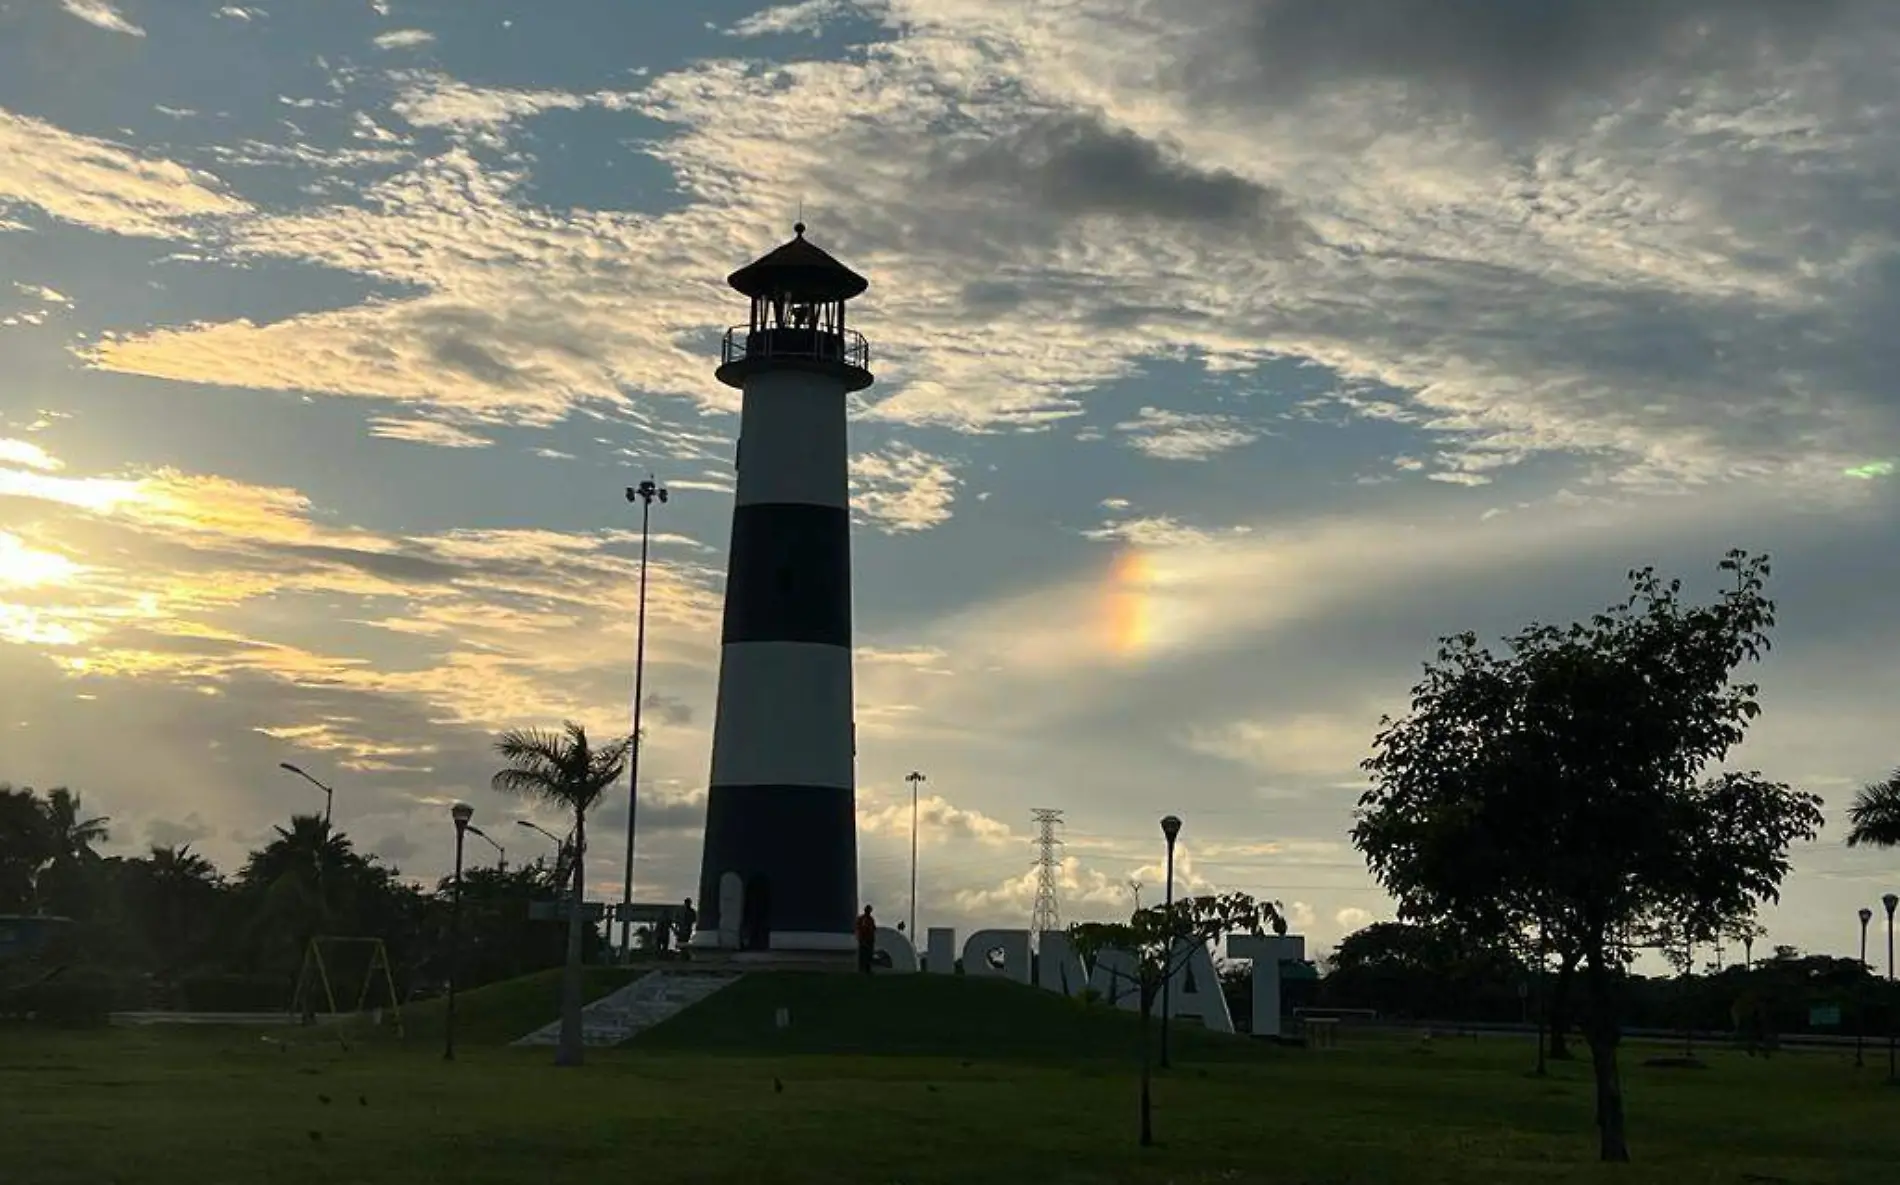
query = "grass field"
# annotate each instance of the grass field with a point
(697, 1103)
(206, 1108)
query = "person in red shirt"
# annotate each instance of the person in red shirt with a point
(866, 932)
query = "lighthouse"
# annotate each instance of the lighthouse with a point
(779, 871)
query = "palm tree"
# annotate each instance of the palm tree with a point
(296, 887)
(181, 893)
(69, 879)
(1874, 819)
(563, 770)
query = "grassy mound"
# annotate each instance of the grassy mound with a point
(503, 1012)
(916, 1016)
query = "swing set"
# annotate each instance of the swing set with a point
(315, 974)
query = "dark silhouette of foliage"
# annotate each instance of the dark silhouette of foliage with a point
(1874, 817)
(1554, 788)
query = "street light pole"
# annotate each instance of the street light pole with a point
(329, 795)
(560, 845)
(501, 853)
(1891, 902)
(915, 779)
(1170, 827)
(461, 812)
(1860, 1034)
(645, 493)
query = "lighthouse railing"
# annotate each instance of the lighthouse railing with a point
(848, 347)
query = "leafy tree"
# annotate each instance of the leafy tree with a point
(25, 848)
(1405, 969)
(1555, 786)
(1160, 940)
(1874, 817)
(563, 770)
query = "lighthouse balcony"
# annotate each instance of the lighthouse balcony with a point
(746, 344)
(748, 348)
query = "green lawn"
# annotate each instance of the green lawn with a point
(208, 1107)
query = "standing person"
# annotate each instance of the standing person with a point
(683, 923)
(866, 931)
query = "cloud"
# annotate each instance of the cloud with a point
(902, 489)
(164, 833)
(403, 39)
(101, 186)
(394, 848)
(28, 455)
(1305, 745)
(667, 709)
(498, 627)
(1176, 436)
(1518, 64)
(805, 16)
(1074, 164)
(1353, 918)
(103, 15)
(433, 432)
(939, 822)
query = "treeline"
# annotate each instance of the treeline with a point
(168, 929)
(1415, 973)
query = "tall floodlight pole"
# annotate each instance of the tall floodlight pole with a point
(915, 779)
(461, 812)
(1170, 828)
(646, 493)
(1860, 1033)
(329, 795)
(1891, 902)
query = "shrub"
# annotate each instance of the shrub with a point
(79, 997)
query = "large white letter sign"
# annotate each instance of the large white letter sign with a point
(1203, 999)
(1014, 945)
(940, 951)
(1058, 967)
(897, 946)
(1267, 951)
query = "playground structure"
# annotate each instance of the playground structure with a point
(318, 960)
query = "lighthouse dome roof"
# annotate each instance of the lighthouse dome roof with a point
(798, 269)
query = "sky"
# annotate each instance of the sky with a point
(1228, 354)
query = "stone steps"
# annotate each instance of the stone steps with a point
(616, 1017)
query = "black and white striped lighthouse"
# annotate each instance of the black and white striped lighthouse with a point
(780, 867)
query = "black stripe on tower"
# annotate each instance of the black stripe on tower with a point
(796, 846)
(789, 576)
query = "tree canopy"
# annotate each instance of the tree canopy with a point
(1563, 786)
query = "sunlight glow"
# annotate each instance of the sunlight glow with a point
(1128, 609)
(25, 453)
(26, 567)
(102, 494)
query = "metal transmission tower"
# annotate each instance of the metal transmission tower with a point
(1046, 915)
